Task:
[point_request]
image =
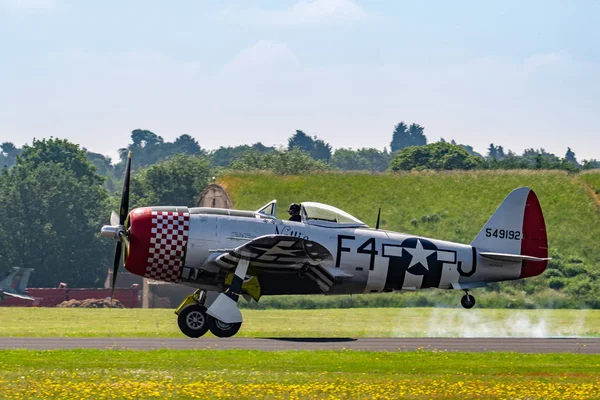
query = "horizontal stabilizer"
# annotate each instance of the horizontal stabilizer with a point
(18, 296)
(511, 257)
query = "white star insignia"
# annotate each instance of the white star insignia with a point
(419, 255)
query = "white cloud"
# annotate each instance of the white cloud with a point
(304, 12)
(264, 57)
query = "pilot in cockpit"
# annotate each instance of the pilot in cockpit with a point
(294, 211)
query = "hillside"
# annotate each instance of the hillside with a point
(450, 206)
(592, 178)
(454, 206)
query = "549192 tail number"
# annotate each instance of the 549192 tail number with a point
(503, 234)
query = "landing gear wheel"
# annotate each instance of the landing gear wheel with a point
(193, 321)
(221, 329)
(467, 301)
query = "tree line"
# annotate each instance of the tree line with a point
(409, 150)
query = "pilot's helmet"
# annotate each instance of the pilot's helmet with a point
(294, 208)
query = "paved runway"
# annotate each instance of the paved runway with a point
(523, 345)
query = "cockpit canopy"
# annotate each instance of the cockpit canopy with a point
(318, 214)
(326, 215)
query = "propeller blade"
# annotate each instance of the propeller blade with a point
(123, 211)
(115, 269)
(120, 220)
(114, 218)
(125, 241)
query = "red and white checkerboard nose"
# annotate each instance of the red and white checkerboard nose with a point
(158, 240)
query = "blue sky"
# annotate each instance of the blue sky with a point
(519, 74)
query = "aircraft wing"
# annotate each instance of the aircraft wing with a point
(282, 253)
(18, 296)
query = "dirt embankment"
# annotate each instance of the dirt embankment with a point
(91, 303)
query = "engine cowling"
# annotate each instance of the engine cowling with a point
(158, 242)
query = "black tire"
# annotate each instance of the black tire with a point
(221, 329)
(467, 301)
(193, 321)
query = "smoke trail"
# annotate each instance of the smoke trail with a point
(503, 323)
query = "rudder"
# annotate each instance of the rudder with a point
(517, 228)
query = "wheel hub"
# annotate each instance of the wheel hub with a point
(222, 325)
(195, 320)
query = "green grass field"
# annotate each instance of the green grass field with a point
(592, 178)
(240, 374)
(209, 374)
(363, 322)
(444, 205)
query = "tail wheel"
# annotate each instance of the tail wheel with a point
(221, 329)
(193, 321)
(467, 301)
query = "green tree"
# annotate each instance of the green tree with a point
(105, 168)
(348, 160)
(378, 160)
(406, 136)
(317, 148)
(142, 138)
(400, 137)
(176, 181)
(301, 141)
(62, 152)
(492, 152)
(321, 150)
(360, 160)
(500, 152)
(437, 156)
(8, 154)
(223, 156)
(53, 205)
(185, 144)
(149, 148)
(290, 162)
(570, 157)
(417, 135)
(590, 164)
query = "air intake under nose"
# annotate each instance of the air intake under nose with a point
(159, 239)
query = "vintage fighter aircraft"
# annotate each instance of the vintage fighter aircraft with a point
(15, 284)
(254, 254)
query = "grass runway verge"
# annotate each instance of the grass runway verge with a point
(96, 374)
(361, 322)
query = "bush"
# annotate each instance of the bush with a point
(436, 156)
(573, 270)
(292, 162)
(556, 283)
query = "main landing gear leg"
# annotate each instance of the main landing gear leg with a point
(467, 301)
(224, 316)
(191, 315)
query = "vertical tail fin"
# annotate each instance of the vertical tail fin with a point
(17, 281)
(517, 228)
